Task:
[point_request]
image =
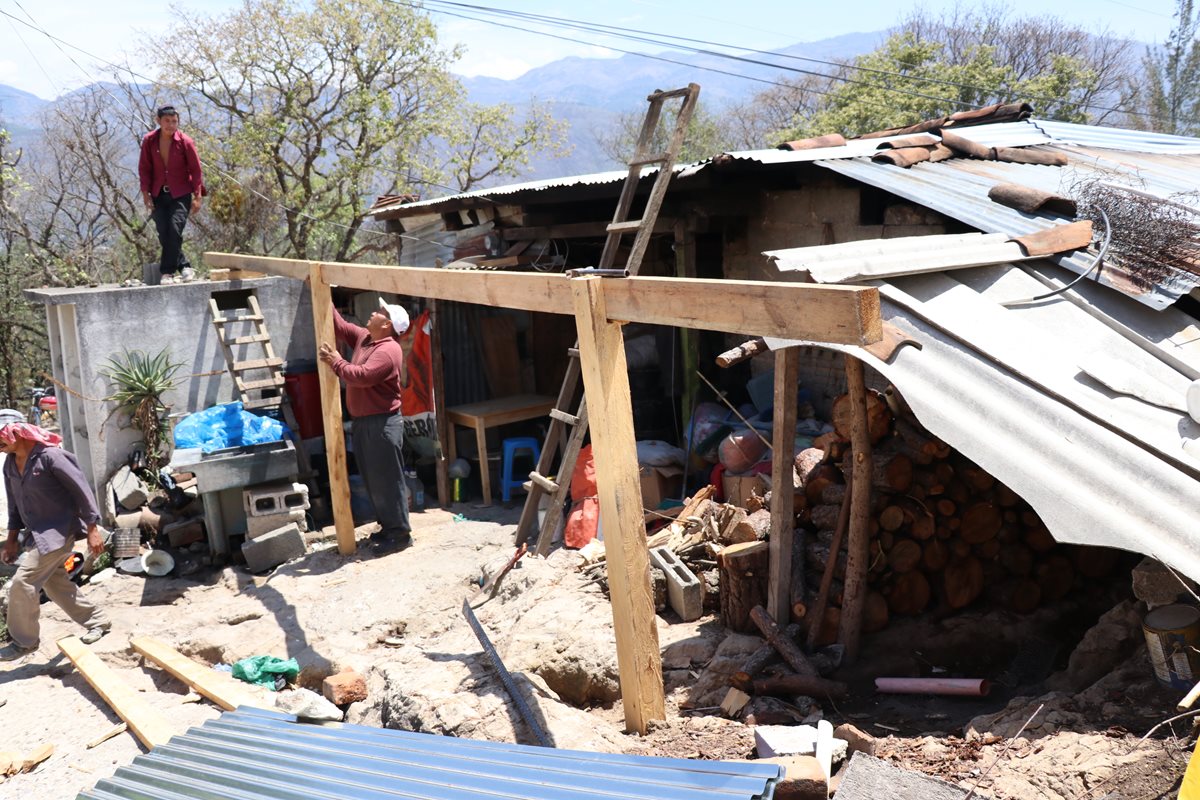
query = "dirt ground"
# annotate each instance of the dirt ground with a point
(552, 626)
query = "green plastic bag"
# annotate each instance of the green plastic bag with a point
(261, 670)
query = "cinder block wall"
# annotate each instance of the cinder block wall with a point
(88, 327)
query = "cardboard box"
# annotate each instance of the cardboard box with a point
(660, 483)
(738, 488)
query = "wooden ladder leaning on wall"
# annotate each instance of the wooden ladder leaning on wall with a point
(561, 417)
(231, 310)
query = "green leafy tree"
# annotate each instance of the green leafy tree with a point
(320, 107)
(909, 79)
(1169, 93)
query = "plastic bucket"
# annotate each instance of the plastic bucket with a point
(1172, 636)
(127, 542)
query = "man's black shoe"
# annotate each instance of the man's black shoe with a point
(382, 544)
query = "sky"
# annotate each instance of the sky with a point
(32, 62)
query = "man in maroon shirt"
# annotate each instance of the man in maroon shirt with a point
(373, 377)
(172, 183)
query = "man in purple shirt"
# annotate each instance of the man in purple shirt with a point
(372, 377)
(172, 183)
(49, 496)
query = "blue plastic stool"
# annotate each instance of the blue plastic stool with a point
(511, 446)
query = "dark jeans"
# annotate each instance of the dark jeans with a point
(378, 452)
(170, 218)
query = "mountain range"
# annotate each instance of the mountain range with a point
(589, 94)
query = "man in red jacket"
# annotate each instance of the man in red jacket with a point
(373, 378)
(172, 183)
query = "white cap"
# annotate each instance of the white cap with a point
(10, 415)
(396, 314)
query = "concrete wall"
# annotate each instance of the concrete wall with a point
(87, 327)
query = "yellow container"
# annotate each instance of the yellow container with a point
(1172, 638)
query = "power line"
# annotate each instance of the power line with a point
(665, 40)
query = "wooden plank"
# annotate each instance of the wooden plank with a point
(151, 727)
(331, 414)
(224, 690)
(858, 545)
(573, 230)
(833, 314)
(783, 490)
(627, 559)
(287, 267)
(439, 405)
(689, 341)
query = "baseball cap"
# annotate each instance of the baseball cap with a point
(396, 314)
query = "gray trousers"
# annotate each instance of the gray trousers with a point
(378, 452)
(36, 572)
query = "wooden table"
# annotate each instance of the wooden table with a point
(489, 414)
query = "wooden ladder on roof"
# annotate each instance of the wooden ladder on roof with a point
(562, 417)
(259, 381)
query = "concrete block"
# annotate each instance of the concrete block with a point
(184, 532)
(684, 592)
(259, 525)
(1156, 586)
(274, 548)
(870, 778)
(802, 778)
(129, 490)
(344, 688)
(792, 740)
(274, 498)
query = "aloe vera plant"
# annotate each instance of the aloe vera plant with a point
(141, 380)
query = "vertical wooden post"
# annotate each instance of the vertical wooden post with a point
(331, 411)
(606, 385)
(858, 545)
(689, 340)
(438, 379)
(783, 488)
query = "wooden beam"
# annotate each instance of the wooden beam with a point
(331, 413)
(574, 230)
(224, 690)
(832, 314)
(285, 267)
(689, 341)
(627, 558)
(151, 727)
(438, 379)
(858, 546)
(783, 489)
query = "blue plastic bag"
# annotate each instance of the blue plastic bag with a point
(226, 425)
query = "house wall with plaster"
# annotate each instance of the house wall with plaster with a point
(88, 327)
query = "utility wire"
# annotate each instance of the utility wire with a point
(666, 40)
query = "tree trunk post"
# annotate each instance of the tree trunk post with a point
(857, 550)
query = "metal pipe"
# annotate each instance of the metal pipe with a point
(965, 687)
(583, 272)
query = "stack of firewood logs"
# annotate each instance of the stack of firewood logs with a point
(943, 532)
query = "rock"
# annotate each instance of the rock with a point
(802, 778)
(344, 688)
(685, 653)
(306, 704)
(1104, 647)
(856, 740)
(1155, 585)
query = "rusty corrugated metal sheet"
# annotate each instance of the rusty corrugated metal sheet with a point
(260, 754)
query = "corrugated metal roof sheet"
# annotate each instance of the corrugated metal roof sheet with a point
(959, 188)
(1117, 138)
(885, 258)
(259, 754)
(1011, 389)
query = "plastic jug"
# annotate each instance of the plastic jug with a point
(416, 490)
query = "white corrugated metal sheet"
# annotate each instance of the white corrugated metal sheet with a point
(1012, 389)
(1117, 138)
(908, 255)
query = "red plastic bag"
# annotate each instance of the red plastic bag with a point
(584, 519)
